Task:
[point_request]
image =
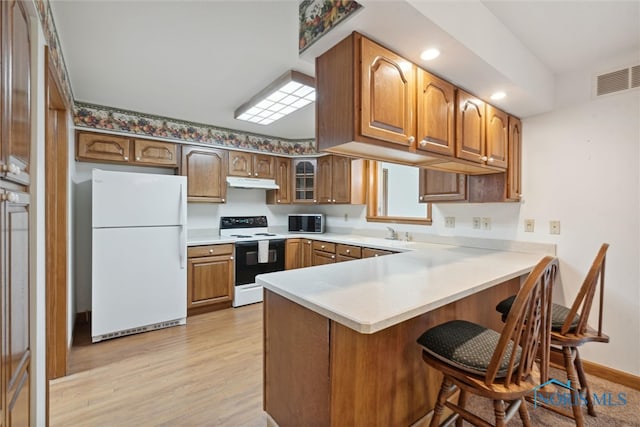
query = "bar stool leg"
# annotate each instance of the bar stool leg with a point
(462, 401)
(498, 408)
(524, 413)
(575, 395)
(584, 385)
(445, 390)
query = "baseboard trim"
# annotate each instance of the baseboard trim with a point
(619, 377)
(83, 317)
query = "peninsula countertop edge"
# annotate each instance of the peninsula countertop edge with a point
(369, 295)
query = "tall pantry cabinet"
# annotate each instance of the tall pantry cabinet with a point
(15, 135)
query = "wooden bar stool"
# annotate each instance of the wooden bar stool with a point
(499, 366)
(570, 329)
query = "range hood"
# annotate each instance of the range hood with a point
(239, 182)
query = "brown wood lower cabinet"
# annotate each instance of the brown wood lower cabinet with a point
(320, 372)
(323, 253)
(210, 278)
(371, 252)
(293, 254)
(348, 252)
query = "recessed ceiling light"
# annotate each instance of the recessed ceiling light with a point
(430, 54)
(498, 95)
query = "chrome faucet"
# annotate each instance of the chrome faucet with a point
(393, 234)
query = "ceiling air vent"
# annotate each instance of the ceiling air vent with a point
(617, 81)
(635, 76)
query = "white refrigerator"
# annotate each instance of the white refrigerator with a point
(139, 276)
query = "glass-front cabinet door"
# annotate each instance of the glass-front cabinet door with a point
(304, 172)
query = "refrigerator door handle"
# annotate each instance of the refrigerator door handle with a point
(183, 226)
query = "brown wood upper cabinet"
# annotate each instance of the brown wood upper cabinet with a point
(283, 175)
(341, 180)
(206, 172)
(251, 165)
(439, 186)
(388, 93)
(373, 104)
(436, 110)
(100, 147)
(154, 153)
(305, 180)
(482, 132)
(514, 166)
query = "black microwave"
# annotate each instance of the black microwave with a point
(306, 223)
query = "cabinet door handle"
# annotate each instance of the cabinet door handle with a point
(328, 200)
(375, 254)
(210, 251)
(483, 158)
(255, 174)
(423, 142)
(249, 173)
(348, 251)
(126, 158)
(322, 247)
(333, 201)
(138, 158)
(491, 159)
(223, 200)
(231, 257)
(411, 139)
(333, 257)
(278, 200)
(314, 200)
(421, 197)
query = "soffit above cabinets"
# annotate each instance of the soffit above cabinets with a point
(198, 61)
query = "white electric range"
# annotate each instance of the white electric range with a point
(257, 251)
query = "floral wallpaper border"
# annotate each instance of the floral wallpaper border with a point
(131, 122)
(55, 50)
(318, 17)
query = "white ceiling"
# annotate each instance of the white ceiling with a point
(199, 61)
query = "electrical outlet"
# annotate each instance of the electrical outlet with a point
(486, 223)
(450, 221)
(529, 225)
(476, 222)
(554, 227)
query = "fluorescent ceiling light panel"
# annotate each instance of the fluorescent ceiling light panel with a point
(290, 92)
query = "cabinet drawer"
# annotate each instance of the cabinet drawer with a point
(209, 250)
(154, 153)
(324, 246)
(370, 252)
(348, 250)
(343, 258)
(321, 258)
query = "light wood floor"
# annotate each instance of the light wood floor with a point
(207, 373)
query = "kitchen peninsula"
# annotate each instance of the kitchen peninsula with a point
(340, 340)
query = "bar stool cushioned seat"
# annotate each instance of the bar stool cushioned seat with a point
(467, 346)
(559, 313)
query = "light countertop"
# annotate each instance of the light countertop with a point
(371, 294)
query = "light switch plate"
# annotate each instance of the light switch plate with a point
(486, 223)
(529, 225)
(476, 222)
(554, 227)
